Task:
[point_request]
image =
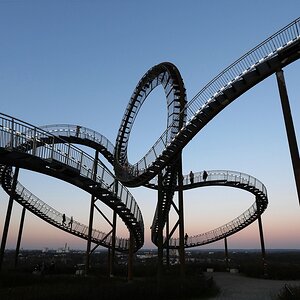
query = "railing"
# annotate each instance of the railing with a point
(226, 177)
(246, 218)
(232, 176)
(33, 203)
(222, 175)
(16, 134)
(81, 132)
(268, 48)
(248, 61)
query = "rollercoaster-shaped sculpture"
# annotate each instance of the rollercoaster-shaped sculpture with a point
(51, 149)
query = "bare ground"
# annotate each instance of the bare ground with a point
(239, 287)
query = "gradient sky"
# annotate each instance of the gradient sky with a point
(78, 62)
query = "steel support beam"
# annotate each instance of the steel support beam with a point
(130, 258)
(262, 244)
(167, 241)
(226, 253)
(91, 219)
(8, 216)
(160, 228)
(181, 218)
(20, 236)
(289, 126)
(113, 245)
(89, 240)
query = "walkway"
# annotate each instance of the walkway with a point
(239, 287)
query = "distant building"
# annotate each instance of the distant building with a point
(66, 249)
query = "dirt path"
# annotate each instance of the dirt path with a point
(238, 287)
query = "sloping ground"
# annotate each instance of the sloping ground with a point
(239, 287)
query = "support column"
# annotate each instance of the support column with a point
(114, 227)
(262, 243)
(93, 199)
(130, 258)
(289, 126)
(113, 246)
(167, 242)
(20, 236)
(226, 254)
(160, 229)
(89, 241)
(8, 215)
(181, 218)
(108, 260)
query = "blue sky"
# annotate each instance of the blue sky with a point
(78, 62)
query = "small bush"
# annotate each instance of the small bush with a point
(289, 292)
(25, 286)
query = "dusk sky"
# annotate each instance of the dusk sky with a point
(78, 62)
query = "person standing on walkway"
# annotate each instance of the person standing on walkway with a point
(186, 238)
(191, 177)
(71, 222)
(78, 130)
(205, 175)
(64, 219)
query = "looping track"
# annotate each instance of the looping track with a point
(168, 76)
(97, 141)
(52, 216)
(51, 151)
(274, 53)
(32, 148)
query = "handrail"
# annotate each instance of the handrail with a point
(15, 133)
(216, 175)
(213, 176)
(227, 178)
(229, 175)
(70, 130)
(225, 230)
(37, 142)
(265, 50)
(33, 203)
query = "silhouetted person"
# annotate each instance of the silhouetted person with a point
(64, 219)
(205, 175)
(77, 130)
(186, 238)
(191, 177)
(71, 222)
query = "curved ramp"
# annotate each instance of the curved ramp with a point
(29, 147)
(274, 53)
(47, 213)
(166, 75)
(271, 55)
(76, 134)
(223, 178)
(215, 178)
(226, 179)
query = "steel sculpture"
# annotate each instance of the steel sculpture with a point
(32, 148)
(50, 150)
